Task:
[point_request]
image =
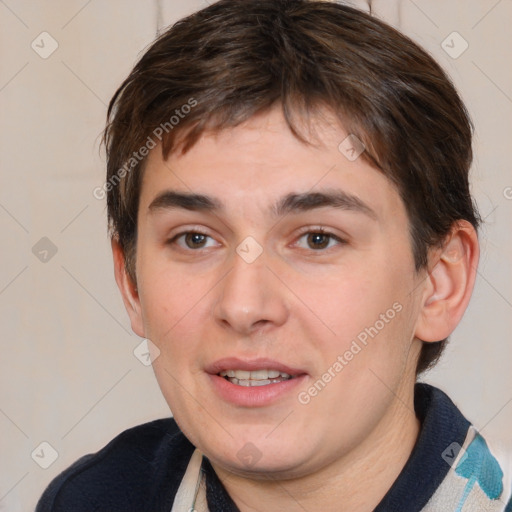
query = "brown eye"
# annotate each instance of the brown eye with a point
(195, 240)
(318, 240)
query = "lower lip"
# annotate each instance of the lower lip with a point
(254, 396)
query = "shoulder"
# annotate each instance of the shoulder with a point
(141, 466)
(472, 472)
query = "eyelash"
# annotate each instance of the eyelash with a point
(320, 230)
(190, 231)
(307, 231)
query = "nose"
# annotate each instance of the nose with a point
(251, 297)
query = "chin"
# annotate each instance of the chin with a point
(259, 456)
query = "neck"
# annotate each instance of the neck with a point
(356, 482)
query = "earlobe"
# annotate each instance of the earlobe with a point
(449, 283)
(127, 288)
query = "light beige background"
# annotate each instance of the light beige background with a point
(68, 374)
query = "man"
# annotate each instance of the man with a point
(292, 231)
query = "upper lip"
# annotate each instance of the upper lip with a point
(234, 363)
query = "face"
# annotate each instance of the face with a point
(258, 253)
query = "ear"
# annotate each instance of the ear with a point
(127, 288)
(449, 283)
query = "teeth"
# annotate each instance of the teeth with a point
(259, 375)
(251, 383)
(254, 378)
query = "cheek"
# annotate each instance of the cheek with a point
(345, 300)
(168, 294)
(368, 312)
(175, 310)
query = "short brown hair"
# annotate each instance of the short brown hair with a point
(238, 58)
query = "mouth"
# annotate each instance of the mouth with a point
(254, 382)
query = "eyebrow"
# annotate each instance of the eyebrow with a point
(291, 203)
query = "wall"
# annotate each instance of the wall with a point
(68, 374)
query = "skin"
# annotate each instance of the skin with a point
(296, 303)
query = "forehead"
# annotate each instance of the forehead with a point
(260, 161)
